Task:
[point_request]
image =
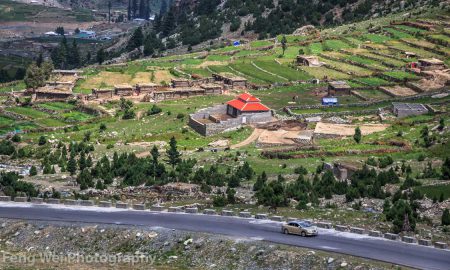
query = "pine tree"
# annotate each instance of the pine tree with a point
(101, 55)
(446, 169)
(163, 9)
(284, 44)
(129, 10)
(134, 8)
(174, 157)
(39, 60)
(155, 154)
(82, 161)
(33, 171)
(357, 137)
(142, 9)
(72, 165)
(74, 59)
(445, 218)
(136, 40)
(260, 181)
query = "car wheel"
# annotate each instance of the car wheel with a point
(285, 231)
(303, 234)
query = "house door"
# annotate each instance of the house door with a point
(244, 120)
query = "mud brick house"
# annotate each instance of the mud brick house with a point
(103, 93)
(45, 94)
(231, 80)
(309, 61)
(430, 64)
(177, 93)
(145, 88)
(212, 89)
(408, 109)
(180, 83)
(123, 90)
(245, 109)
(338, 88)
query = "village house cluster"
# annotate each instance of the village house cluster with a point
(179, 88)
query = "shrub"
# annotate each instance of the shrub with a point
(445, 218)
(154, 110)
(33, 171)
(42, 140)
(180, 116)
(219, 201)
(16, 138)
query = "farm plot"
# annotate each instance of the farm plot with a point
(353, 41)
(398, 91)
(254, 73)
(335, 45)
(375, 38)
(387, 60)
(399, 45)
(260, 43)
(315, 48)
(400, 75)
(28, 112)
(347, 68)
(397, 33)
(50, 122)
(76, 116)
(373, 81)
(410, 29)
(347, 130)
(441, 38)
(323, 72)
(366, 61)
(282, 70)
(218, 57)
(373, 94)
(5, 121)
(57, 106)
(280, 97)
(335, 55)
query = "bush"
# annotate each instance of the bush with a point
(180, 116)
(42, 140)
(16, 138)
(33, 171)
(6, 148)
(219, 201)
(301, 170)
(154, 110)
(446, 218)
(128, 114)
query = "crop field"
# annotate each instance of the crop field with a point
(435, 191)
(28, 112)
(260, 43)
(323, 72)
(406, 48)
(282, 70)
(373, 81)
(279, 97)
(400, 75)
(397, 33)
(315, 48)
(345, 67)
(387, 60)
(57, 106)
(410, 29)
(441, 37)
(256, 74)
(335, 45)
(373, 94)
(375, 38)
(5, 121)
(366, 61)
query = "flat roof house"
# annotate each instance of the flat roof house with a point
(408, 109)
(431, 64)
(245, 104)
(338, 88)
(309, 61)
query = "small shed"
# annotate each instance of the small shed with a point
(180, 83)
(145, 88)
(338, 88)
(408, 109)
(309, 61)
(212, 88)
(103, 93)
(330, 101)
(123, 90)
(431, 64)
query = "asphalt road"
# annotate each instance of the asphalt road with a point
(328, 240)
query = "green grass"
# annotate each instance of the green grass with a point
(322, 72)
(49, 122)
(198, 71)
(5, 121)
(57, 106)
(255, 74)
(410, 29)
(315, 48)
(27, 111)
(335, 45)
(20, 85)
(374, 94)
(374, 81)
(400, 75)
(75, 116)
(443, 38)
(282, 70)
(279, 97)
(436, 191)
(216, 57)
(397, 33)
(366, 61)
(375, 38)
(345, 67)
(260, 43)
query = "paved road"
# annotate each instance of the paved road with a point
(328, 240)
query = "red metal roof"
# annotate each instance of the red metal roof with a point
(248, 103)
(248, 98)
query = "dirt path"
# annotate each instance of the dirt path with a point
(253, 137)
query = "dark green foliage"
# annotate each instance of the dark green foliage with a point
(33, 171)
(154, 110)
(173, 155)
(402, 216)
(101, 56)
(11, 185)
(358, 136)
(445, 170)
(260, 181)
(6, 148)
(42, 140)
(220, 201)
(301, 170)
(445, 221)
(273, 194)
(16, 138)
(60, 30)
(136, 40)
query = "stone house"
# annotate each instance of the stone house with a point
(231, 80)
(245, 109)
(431, 64)
(212, 89)
(103, 93)
(339, 88)
(123, 90)
(408, 109)
(180, 83)
(309, 61)
(145, 88)
(44, 94)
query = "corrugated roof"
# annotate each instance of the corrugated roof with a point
(248, 103)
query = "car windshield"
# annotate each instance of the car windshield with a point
(305, 224)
